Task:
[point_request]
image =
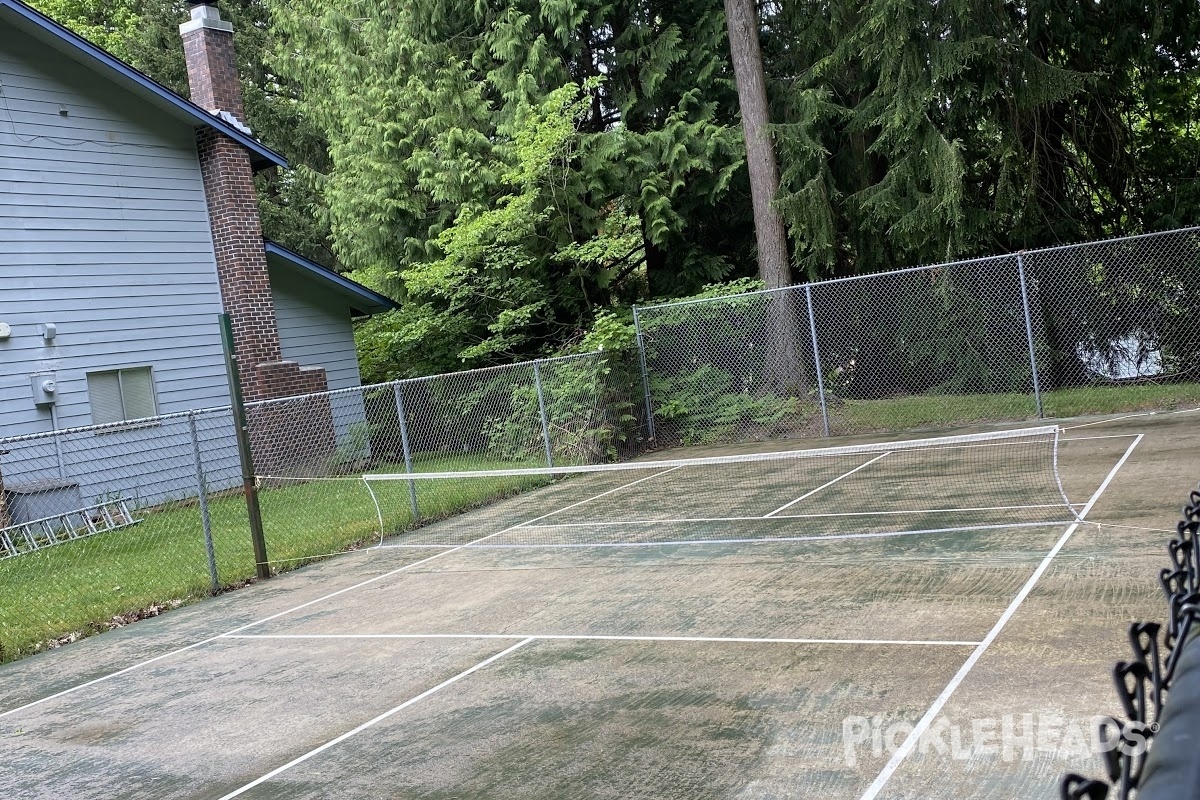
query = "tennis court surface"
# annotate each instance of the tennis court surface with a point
(745, 625)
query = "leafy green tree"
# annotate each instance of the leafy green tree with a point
(503, 286)
(105, 24)
(414, 99)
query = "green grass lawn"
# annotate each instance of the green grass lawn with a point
(931, 411)
(81, 587)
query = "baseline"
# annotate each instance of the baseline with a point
(603, 638)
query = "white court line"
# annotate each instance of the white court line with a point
(760, 540)
(599, 637)
(1111, 419)
(581, 502)
(322, 599)
(807, 495)
(919, 730)
(1131, 416)
(1106, 436)
(374, 721)
(675, 520)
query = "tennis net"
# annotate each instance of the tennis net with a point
(1005, 479)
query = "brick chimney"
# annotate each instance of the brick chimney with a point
(233, 214)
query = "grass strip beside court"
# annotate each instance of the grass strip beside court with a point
(87, 586)
(944, 410)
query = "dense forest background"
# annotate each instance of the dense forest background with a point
(519, 173)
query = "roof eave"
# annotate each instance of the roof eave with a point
(364, 302)
(87, 53)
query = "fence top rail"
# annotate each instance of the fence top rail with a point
(828, 281)
(114, 427)
(922, 267)
(1112, 240)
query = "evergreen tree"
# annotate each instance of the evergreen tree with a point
(741, 17)
(422, 105)
(920, 133)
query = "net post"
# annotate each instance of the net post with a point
(1037, 387)
(202, 499)
(641, 348)
(541, 398)
(398, 391)
(812, 329)
(242, 431)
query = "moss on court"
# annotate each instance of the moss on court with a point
(661, 719)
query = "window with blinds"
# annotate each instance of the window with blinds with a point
(120, 395)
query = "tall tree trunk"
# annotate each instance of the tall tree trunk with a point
(785, 373)
(741, 18)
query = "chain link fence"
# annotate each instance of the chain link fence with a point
(574, 410)
(102, 525)
(1102, 327)
(99, 525)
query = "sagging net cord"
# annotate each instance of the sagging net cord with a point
(1142, 683)
(1000, 461)
(962, 441)
(259, 484)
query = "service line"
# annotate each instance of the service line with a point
(606, 638)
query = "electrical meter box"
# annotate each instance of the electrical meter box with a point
(45, 388)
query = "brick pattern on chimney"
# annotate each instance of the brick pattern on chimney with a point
(212, 71)
(288, 379)
(285, 431)
(241, 260)
(294, 437)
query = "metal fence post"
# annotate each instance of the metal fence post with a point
(641, 346)
(812, 329)
(398, 391)
(241, 426)
(202, 496)
(1037, 387)
(537, 382)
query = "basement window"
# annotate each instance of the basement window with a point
(121, 395)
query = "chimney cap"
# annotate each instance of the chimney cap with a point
(204, 15)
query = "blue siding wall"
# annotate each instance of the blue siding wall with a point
(104, 232)
(314, 327)
(315, 331)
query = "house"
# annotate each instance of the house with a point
(128, 221)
